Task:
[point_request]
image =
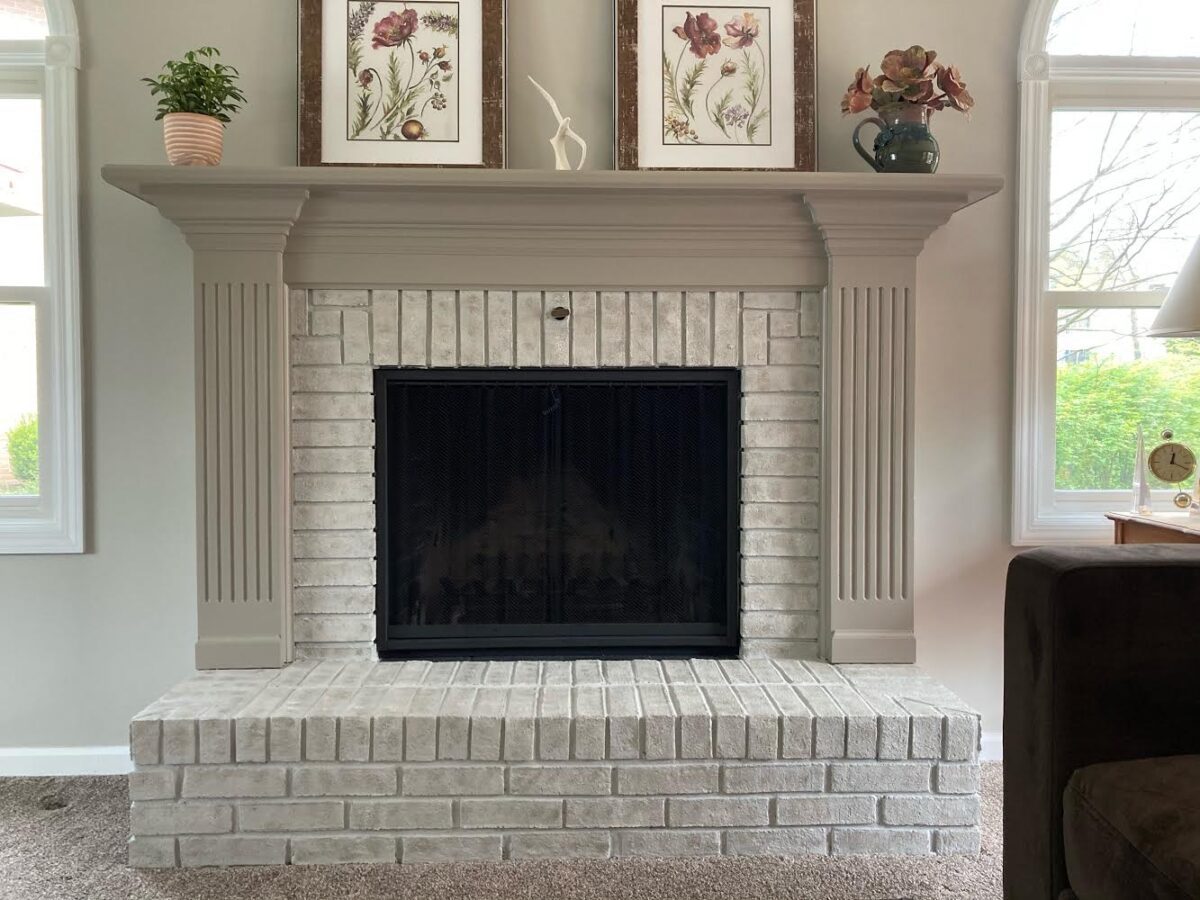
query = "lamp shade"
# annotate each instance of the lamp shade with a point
(1180, 312)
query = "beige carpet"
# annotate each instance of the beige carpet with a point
(64, 839)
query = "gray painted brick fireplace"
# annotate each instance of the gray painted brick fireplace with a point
(294, 745)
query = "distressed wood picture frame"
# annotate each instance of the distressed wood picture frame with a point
(392, 83)
(706, 87)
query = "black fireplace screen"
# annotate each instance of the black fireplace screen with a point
(557, 513)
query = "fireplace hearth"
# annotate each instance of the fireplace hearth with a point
(557, 512)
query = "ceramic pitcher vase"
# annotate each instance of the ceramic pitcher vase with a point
(904, 142)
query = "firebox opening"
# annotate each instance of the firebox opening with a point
(557, 513)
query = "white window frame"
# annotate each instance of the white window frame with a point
(1040, 513)
(53, 522)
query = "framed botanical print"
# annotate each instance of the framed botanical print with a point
(402, 83)
(722, 86)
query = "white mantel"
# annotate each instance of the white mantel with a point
(257, 232)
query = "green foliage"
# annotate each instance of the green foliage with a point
(1101, 404)
(23, 451)
(691, 80)
(752, 127)
(363, 116)
(754, 89)
(717, 113)
(1183, 346)
(670, 94)
(192, 85)
(393, 97)
(354, 54)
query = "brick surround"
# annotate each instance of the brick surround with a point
(345, 761)
(339, 336)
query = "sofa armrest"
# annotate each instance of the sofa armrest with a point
(1101, 663)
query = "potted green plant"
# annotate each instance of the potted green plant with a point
(196, 96)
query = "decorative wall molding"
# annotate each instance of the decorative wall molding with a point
(856, 235)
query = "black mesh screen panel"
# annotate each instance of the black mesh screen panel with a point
(557, 512)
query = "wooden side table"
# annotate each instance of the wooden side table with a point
(1159, 528)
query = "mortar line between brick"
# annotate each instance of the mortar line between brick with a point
(628, 301)
(513, 328)
(683, 323)
(570, 304)
(654, 324)
(739, 352)
(428, 329)
(487, 331)
(596, 301)
(458, 329)
(712, 361)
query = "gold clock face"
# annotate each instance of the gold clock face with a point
(1172, 462)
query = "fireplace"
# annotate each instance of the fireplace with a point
(308, 282)
(550, 512)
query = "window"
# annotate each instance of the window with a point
(1109, 210)
(41, 484)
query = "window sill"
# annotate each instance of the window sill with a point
(28, 527)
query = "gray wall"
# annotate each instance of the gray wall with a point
(87, 640)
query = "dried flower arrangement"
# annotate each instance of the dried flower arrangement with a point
(909, 76)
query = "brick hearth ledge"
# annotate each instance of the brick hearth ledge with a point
(351, 762)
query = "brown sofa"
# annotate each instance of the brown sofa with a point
(1101, 683)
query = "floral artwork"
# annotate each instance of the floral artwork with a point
(402, 60)
(716, 75)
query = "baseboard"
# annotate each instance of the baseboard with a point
(992, 747)
(27, 761)
(859, 645)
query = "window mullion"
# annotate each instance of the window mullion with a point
(1105, 299)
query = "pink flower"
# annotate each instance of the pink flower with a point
(923, 93)
(394, 29)
(741, 34)
(904, 71)
(701, 32)
(858, 95)
(950, 80)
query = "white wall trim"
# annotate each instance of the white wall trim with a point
(54, 523)
(991, 746)
(18, 762)
(1103, 82)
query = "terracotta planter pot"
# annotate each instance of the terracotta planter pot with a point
(193, 139)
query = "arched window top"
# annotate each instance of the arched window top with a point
(1124, 28)
(22, 20)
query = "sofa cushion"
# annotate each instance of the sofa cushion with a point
(1132, 829)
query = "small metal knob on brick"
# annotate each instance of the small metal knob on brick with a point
(559, 312)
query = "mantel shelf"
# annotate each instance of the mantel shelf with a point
(536, 228)
(138, 180)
